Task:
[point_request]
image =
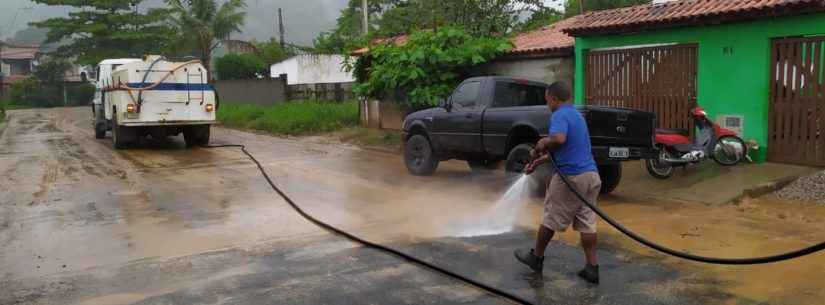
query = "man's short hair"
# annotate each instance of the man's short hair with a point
(559, 90)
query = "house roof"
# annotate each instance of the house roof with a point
(19, 54)
(546, 40)
(686, 12)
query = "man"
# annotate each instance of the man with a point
(569, 144)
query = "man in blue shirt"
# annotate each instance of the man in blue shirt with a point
(569, 144)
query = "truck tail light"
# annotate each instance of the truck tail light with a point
(209, 108)
(130, 108)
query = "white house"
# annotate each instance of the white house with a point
(312, 69)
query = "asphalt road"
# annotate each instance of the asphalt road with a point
(82, 223)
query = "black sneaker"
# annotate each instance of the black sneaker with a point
(590, 273)
(531, 260)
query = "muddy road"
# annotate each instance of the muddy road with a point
(81, 223)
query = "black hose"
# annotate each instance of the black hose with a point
(490, 289)
(685, 255)
(146, 76)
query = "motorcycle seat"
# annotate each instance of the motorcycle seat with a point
(678, 131)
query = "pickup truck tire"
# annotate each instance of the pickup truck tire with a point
(518, 157)
(419, 157)
(611, 175)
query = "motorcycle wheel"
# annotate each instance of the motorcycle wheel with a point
(729, 150)
(658, 168)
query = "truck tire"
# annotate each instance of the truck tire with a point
(518, 157)
(419, 157)
(610, 174)
(196, 135)
(118, 133)
(100, 130)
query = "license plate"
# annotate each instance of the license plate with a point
(619, 152)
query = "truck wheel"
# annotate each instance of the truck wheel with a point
(118, 136)
(100, 130)
(610, 174)
(419, 157)
(196, 135)
(518, 157)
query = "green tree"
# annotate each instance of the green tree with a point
(540, 18)
(271, 52)
(427, 67)
(572, 8)
(205, 24)
(99, 29)
(240, 66)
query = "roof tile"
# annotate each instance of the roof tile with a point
(682, 11)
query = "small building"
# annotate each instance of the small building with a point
(17, 61)
(312, 69)
(755, 66)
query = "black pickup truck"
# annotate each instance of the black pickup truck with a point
(492, 118)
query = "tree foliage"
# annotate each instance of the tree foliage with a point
(99, 29)
(271, 52)
(541, 17)
(571, 7)
(46, 87)
(427, 67)
(392, 17)
(240, 66)
(204, 23)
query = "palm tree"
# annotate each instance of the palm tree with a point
(205, 24)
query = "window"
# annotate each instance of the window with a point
(466, 95)
(509, 94)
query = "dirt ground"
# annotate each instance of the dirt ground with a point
(81, 223)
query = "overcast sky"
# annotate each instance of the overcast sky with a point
(303, 19)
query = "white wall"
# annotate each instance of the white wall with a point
(312, 69)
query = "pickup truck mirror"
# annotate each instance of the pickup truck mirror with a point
(444, 104)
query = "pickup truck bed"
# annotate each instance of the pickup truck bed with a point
(493, 118)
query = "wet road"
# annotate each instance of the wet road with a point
(81, 223)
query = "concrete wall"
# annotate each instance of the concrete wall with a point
(312, 69)
(252, 91)
(734, 63)
(546, 70)
(382, 114)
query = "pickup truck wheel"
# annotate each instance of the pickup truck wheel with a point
(518, 157)
(418, 156)
(610, 174)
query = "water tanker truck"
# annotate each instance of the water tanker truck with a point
(153, 97)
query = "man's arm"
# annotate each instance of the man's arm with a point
(548, 144)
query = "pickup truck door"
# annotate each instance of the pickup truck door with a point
(460, 128)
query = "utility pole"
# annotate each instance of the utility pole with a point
(281, 28)
(365, 22)
(581, 6)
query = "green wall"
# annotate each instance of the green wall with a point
(733, 83)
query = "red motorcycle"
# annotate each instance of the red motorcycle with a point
(676, 148)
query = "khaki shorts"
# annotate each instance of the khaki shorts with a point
(562, 207)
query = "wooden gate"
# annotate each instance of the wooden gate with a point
(659, 79)
(796, 122)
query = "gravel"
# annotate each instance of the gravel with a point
(809, 188)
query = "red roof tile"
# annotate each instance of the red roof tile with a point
(687, 12)
(549, 38)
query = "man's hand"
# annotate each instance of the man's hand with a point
(529, 168)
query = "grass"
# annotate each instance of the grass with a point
(292, 118)
(388, 139)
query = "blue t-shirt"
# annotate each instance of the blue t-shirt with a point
(574, 157)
